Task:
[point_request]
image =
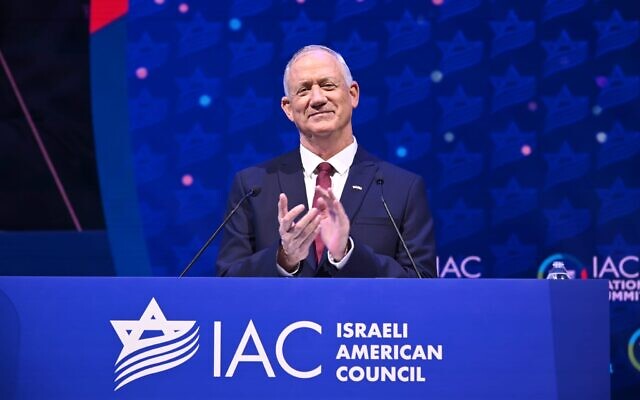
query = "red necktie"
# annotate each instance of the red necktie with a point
(324, 170)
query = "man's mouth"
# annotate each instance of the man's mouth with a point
(320, 113)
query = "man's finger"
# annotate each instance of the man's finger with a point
(330, 193)
(282, 205)
(321, 204)
(310, 228)
(302, 224)
(320, 191)
(339, 209)
(291, 215)
(327, 196)
(312, 234)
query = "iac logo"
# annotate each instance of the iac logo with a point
(459, 267)
(623, 268)
(152, 344)
(622, 271)
(251, 334)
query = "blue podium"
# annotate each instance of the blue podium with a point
(221, 338)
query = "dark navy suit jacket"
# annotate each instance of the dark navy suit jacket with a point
(251, 238)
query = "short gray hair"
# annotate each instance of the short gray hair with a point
(314, 47)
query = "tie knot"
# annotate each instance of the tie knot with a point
(325, 168)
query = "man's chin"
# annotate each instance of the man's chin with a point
(320, 130)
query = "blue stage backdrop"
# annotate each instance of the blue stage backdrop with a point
(522, 116)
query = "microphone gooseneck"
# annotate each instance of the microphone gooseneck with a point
(251, 193)
(380, 182)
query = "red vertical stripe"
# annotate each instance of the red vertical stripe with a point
(583, 274)
(103, 12)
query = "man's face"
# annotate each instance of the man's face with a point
(320, 103)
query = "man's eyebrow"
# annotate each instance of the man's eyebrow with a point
(328, 79)
(321, 80)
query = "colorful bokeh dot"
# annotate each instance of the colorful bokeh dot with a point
(187, 180)
(401, 152)
(142, 73)
(449, 137)
(596, 110)
(204, 100)
(601, 137)
(235, 24)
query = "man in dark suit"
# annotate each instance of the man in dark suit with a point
(345, 232)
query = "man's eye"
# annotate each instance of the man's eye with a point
(329, 86)
(302, 91)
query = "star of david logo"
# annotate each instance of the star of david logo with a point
(172, 343)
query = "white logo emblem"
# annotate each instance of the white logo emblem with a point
(174, 344)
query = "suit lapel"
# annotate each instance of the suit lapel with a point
(291, 179)
(361, 175)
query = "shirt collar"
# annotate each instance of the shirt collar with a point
(340, 162)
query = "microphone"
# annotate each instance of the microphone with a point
(380, 182)
(251, 193)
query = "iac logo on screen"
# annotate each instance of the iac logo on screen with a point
(469, 267)
(153, 344)
(620, 268)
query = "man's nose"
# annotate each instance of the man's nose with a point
(317, 96)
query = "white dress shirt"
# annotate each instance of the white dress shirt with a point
(341, 163)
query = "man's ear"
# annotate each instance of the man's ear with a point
(285, 104)
(354, 93)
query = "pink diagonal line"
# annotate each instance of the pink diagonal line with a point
(41, 146)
